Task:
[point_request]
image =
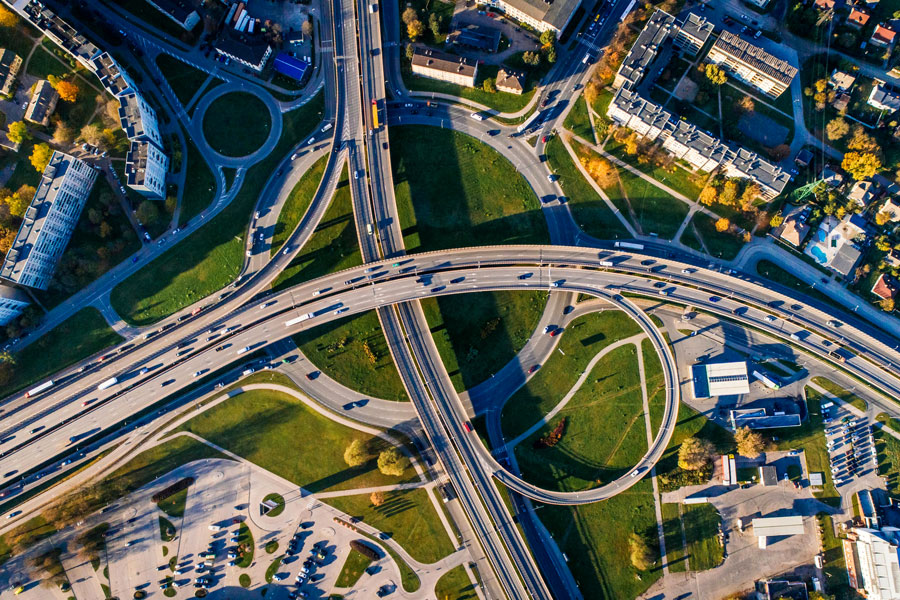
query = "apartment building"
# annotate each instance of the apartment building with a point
(42, 104)
(751, 64)
(434, 64)
(179, 12)
(542, 15)
(872, 562)
(115, 79)
(62, 34)
(145, 169)
(139, 119)
(49, 221)
(10, 63)
(646, 47)
(12, 302)
(693, 33)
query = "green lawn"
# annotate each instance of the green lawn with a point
(591, 213)
(604, 432)
(678, 179)
(701, 532)
(278, 499)
(212, 257)
(273, 568)
(655, 210)
(721, 245)
(834, 566)
(477, 334)
(236, 124)
(579, 122)
(298, 201)
(656, 387)
(499, 101)
(408, 516)
(174, 504)
(166, 530)
(78, 337)
(455, 585)
(245, 541)
(354, 352)
(584, 337)
(332, 247)
(185, 80)
(674, 536)
(453, 191)
(149, 15)
(887, 448)
(770, 270)
(265, 427)
(353, 569)
(845, 395)
(595, 538)
(199, 184)
(18, 38)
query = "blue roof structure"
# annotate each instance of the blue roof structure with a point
(290, 66)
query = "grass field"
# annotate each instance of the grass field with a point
(455, 585)
(604, 432)
(499, 101)
(834, 566)
(298, 201)
(583, 339)
(674, 536)
(78, 337)
(18, 38)
(595, 538)
(845, 395)
(408, 516)
(353, 569)
(185, 80)
(721, 245)
(579, 122)
(278, 499)
(174, 504)
(453, 191)
(236, 112)
(887, 449)
(701, 533)
(212, 257)
(265, 426)
(678, 179)
(477, 334)
(591, 213)
(199, 184)
(151, 16)
(353, 352)
(332, 247)
(655, 211)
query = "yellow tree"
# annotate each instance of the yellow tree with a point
(8, 18)
(68, 91)
(415, 29)
(40, 156)
(392, 462)
(708, 195)
(355, 453)
(749, 443)
(722, 225)
(18, 132)
(715, 74)
(861, 165)
(694, 454)
(377, 498)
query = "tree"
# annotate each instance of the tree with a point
(19, 201)
(551, 54)
(489, 85)
(708, 196)
(730, 192)
(63, 134)
(887, 305)
(749, 443)
(40, 156)
(883, 217)
(377, 498)
(410, 51)
(777, 220)
(392, 462)
(92, 134)
(147, 212)
(434, 24)
(548, 38)
(862, 141)
(68, 91)
(532, 59)
(722, 225)
(694, 454)
(601, 170)
(861, 165)
(8, 18)
(17, 132)
(746, 104)
(715, 74)
(837, 128)
(410, 15)
(355, 454)
(642, 557)
(307, 28)
(415, 30)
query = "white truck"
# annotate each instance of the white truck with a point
(299, 319)
(108, 383)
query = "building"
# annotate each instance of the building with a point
(645, 49)
(139, 119)
(178, 11)
(867, 511)
(511, 82)
(858, 18)
(42, 104)
(747, 164)
(10, 63)
(803, 158)
(720, 379)
(7, 143)
(824, 4)
(768, 476)
(476, 37)
(841, 102)
(831, 177)
(751, 64)
(767, 527)
(695, 146)
(13, 302)
(817, 479)
(539, 14)
(841, 81)
(778, 589)
(692, 33)
(49, 221)
(872, 562)
(882, 36)
(647, 118)
(863, 192)
(290, 66)
(115, 80)
(63, 35)
(837, 243)
(886, 287)
(250, 51)
(794, 228)
(892, 207)
(759, 3)
(883, 98)
(145, 169)
(759, 418)
(434, 64)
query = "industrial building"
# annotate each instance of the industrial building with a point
(42, 104)
(872, 562)
(720, 379)
(760, 418)
(250, 51)
(772, 527)
(434, 64)
(145, 169)
(49, 221)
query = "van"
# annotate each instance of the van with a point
(369, 228)
(373, 7)
(478, 116)
(248, 371)
(795, 337)
(215, 528)
(585, 59)
(327, 126)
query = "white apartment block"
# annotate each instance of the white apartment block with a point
(444, 67)
(541, 15)
(12, 302)
(145, 169)
(751, 64)
(139, 119)
(872, 561)
(49, 221)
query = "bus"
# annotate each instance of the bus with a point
(41, 388)
(377, 114)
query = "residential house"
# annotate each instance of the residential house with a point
(883, 98)
(511, 82)
(751, 64)
(831, 177)
(841, 81)
(435, 64)
(858, 18)
(892, 207)
(837, 243)
(824, 4)
(803, 158)
(841, 102)
(863, 192)
(10, 63)
(886, 287)
(892, 259)
(882, 36)
(794, 228)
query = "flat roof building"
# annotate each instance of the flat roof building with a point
(841, 81)
(692, 33)
(720, 379)
(42, 104)
(768, 476)
(875, 566)
(444, 67)
(179, 12)
(290, 66)
(145, 169)
(751, 64)
(759, 418)
(767, 527)
(477, 37)
(883, 98)
(115, 79)
(539, 14)
(49, 221)
(63, 34)
(139, 119)
(645, 49)
(249, 51)
(10, 63)
(511, 82)
(12, 302)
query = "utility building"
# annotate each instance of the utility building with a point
(720, 379)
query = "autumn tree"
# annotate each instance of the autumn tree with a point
(860, 140)
(68, 91)
(307, 28)
(92, 134)
(601, 170)
(489, 85)
(63, 134)
(147, 212)
(17, 132)
(355, 454)
(730, 192)
(883, 217)
(641, 554)
(722, 225)
(749, 443)
(837, 128)
(415, 29)
(715, 74)
(531, 59)
(410, 15)
(861, 165)
(776, 220)
(18, 202)
(887, 305)
(8, 18)
(377, 498)
(392, 462)
(40, 156)
(694, 454)
(548, 38)
(746, 104)
(708, 196)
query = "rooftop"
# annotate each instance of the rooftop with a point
(754, 56)
(441, 61)
(252, 50)
(883, 34)
(42, 103)
(110, 75)
(778, 526)
(886, 287)
(645, 48)
(476, 36)
(177, 9)
(507, 78)
(553, 12)
(858, 17)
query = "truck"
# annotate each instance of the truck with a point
(299, 319)
(37, 390)
(767, 380)
(629, 245)
(606, 263)
(108, 383)
(837, 356)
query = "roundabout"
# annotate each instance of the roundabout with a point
(236, 124)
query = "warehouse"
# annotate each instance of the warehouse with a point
(720, 379)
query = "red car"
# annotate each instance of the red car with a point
(544, 139)
(533, 369)
(556, 332)
(467, 426)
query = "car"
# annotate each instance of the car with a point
(279, 576)
(551, 177)
(144, 371)
(714, 298)
(556, 332)
(14, 513)
(533, 369)
(146, 236)
(548, 329)
(794, 453)
(545, 139)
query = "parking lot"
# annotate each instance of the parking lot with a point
(851, 450)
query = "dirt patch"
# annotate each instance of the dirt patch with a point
(686, 90)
